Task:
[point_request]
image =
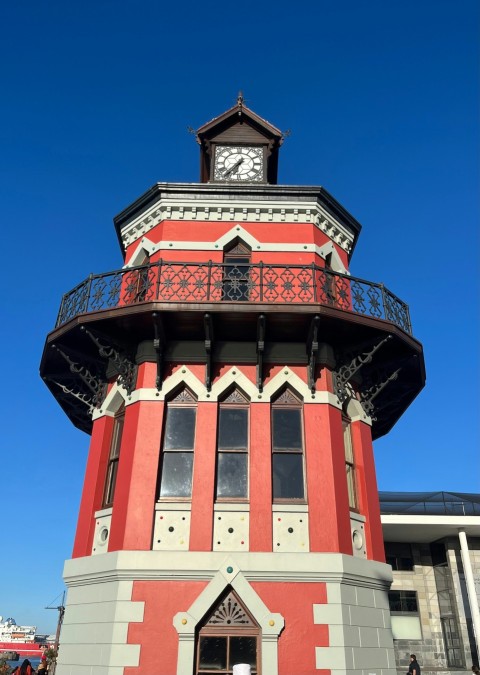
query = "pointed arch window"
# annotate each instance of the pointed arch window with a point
(114, 456)
(287, 448)
(228, 637)
(232, 447)
(178, 445)
(143, 283)
(349, 463)
(330, 287)
(236, 272)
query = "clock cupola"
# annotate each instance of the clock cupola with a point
(239, 146)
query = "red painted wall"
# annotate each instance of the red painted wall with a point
(163, 599)
(156, 634)
(207, 231)
(296, 645)
(329, 514)
(260, 478)
(93, 486)
(367, 489)
(203, 487)
(135, 491)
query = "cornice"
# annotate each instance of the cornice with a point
(241, 212)
(214, 202)
(203, 566)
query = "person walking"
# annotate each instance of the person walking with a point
(414, 668)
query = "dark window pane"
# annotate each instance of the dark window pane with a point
(213, 653)
(399, 555)
(233, 428)
(287, 429)
(394, 601)
(117, 437)
(231, 259)
(111, 482)
(403, 601)
(180, 429)
(243, 650)
(232, 474)
(410, 603)
(177, 474)
(288, 476)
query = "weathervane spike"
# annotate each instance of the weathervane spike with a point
(240, 99)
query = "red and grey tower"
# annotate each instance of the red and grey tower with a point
(232, 375)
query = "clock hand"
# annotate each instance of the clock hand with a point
(233, 168)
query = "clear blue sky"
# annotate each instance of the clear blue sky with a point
(382, 100)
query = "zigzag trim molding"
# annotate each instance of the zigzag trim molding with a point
(233, 376)
(149, 247)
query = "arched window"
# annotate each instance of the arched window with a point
(114, 456)
(330, 287)
(229, 636)
(349, 463)
(178, 446)
(143, 279)
(236, 272)
(232, 447)
(287, 448)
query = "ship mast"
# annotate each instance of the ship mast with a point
(61, 611)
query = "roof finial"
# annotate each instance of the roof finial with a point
(240, 99)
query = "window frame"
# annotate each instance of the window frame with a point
(295, 403)
(113, 458)
(188, 402)
(238, 256)
(228, 632)
(225, 404)
(405, 612)
(350, 465)
(396, 556)
(330, 288)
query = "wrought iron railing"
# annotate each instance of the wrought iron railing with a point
(213, 282)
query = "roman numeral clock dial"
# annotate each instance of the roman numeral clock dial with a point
(237, 163)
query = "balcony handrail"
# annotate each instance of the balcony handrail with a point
(183, 281)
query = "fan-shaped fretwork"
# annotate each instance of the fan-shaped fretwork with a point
(230, 612)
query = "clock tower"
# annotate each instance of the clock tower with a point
(231, 375)
(239, 147)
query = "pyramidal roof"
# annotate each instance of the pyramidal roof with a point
(233, 115)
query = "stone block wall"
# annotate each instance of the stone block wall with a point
(431, 650)
(421, 580)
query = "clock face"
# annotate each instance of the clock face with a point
(237, 163)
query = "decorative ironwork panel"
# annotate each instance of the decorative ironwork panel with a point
(74, 303)
(138, 285)
(233, 282)
(304, 285)
(104, 293)
(397, 311)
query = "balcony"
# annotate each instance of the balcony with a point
(214, 313)
(217, 283)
